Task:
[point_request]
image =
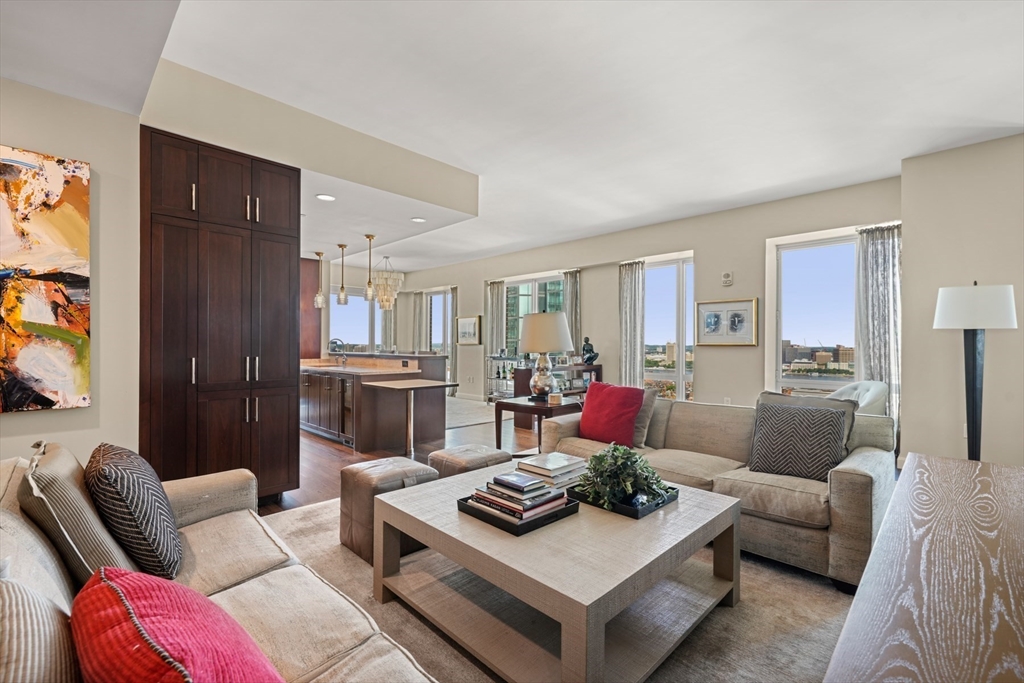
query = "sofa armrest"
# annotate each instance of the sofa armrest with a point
(554, 429)
(859, 490)
(210, 495)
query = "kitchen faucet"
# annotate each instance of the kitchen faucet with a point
(340, 348)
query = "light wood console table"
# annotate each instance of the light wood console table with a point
(593, 597)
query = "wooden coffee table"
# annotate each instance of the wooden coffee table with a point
(593, 597)
(542, 409)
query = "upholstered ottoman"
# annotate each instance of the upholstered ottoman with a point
(458, 459)
(360, 483)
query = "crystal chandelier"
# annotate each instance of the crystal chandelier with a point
(320, 301)
(342, 294)
(386, 284)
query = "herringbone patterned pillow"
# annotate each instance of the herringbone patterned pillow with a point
(134, 507)
(797, 441)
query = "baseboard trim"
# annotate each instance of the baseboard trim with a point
(470, 397)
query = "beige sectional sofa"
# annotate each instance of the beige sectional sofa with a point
(307, 628)
(825, 527)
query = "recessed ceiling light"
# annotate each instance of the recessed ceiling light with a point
(325, 197)
(417, 219)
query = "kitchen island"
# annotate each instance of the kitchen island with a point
(335, 404)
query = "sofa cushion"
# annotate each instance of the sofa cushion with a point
(378, 659)
(222, 551)
(584, 448)
(303, 624)
(849, 408)
(53, 494)
(643, 418)
(128, 495)
(719, 430)
(697, 470)
(130, 626)
(798, 441)
(609, 413)
(793, 500)
(35, 641)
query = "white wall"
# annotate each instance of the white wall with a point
(729, 240)
(963, 220)
(42, 121)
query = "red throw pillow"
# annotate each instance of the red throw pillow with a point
(132, 627)
(609, 413)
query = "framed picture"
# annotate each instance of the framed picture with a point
(727, 323)
(469, 330)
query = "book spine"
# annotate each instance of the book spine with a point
(513, 505)
(472, 502)
(496, 506)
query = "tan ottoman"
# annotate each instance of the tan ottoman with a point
(360, 483)
(458, 459)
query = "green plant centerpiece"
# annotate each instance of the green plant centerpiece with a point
(619, 474)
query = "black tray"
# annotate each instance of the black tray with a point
(571, 508)
(626, 510)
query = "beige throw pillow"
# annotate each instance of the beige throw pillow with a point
(643, 418)
(35, 641)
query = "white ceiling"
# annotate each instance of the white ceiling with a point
(100, 51)
(358, 210)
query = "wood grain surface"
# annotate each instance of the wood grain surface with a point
(942, 598)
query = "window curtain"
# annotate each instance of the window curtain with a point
(453, 339)
(631, 324)
(419, 322)
(878, 309)
(494, 318)
(388, 327)
(571, 288)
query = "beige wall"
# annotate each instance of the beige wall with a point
(42, 121)
(963, 220)
(199, 106)
(729, 240)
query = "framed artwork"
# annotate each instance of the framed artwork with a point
(726, 323)
(44, 282)
(469, 330)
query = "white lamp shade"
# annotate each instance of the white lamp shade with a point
(985, 307)
(545, 333)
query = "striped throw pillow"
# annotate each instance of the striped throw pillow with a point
(133, 505)
(35, 641)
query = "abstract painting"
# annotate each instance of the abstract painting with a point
(44, 281)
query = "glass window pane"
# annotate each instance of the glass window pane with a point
(661, 325)
(816, 296)
(437, 322)
(351, 323)
(378, 337)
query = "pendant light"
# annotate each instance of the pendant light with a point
(320, 301)
(387, 283)
(368, 294)
(342, 294)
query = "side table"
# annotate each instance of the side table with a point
(541, 409)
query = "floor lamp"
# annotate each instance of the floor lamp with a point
(974, 310)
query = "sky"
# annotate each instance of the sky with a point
(817, 298)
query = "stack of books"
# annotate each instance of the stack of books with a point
(517, 497)
(558, 470)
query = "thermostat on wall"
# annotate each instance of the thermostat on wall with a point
(727, 278)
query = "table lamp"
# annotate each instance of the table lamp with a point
(544, 333)
(974, 310)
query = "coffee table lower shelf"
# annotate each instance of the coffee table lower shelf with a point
(521, 643)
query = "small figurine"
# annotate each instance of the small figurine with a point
(589, 355)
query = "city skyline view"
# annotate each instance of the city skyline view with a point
(818, 293)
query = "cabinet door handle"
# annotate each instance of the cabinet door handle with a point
(193, 196)
(257, 368)
(247, 200)
(246, 399)
(193, 370)
(247, 368)
(257, 209)
(257, 408)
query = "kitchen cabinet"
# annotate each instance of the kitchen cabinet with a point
(173, 176)
(225, 187)
(275, 191)
(326, 406)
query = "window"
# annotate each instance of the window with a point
(668, 328)
(815, 314)
(353, 323)
(439, 311)
(530, 296)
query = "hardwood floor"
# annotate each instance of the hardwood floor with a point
(321, 460)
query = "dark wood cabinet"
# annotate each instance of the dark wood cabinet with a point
(326, 403)
(173, 176)
(225, 187)
(219, 367)
(275, 192)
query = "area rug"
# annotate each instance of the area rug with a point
(784, 628)
(461, 412)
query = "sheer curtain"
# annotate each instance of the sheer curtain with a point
(631, 324)
(878, 309)
(388, 327)
(453, 341)
(419, 322)
(571, 287)
(494, 317)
